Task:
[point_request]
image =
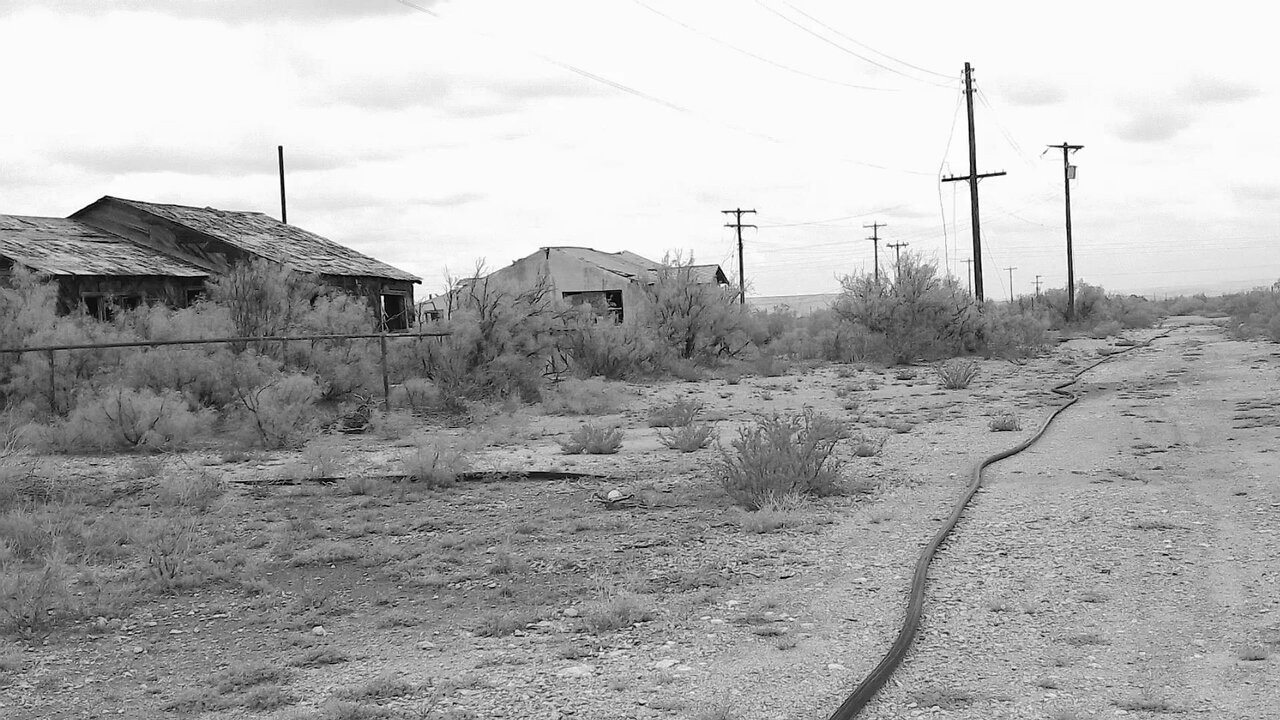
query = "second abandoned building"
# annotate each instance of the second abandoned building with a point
(610, 282)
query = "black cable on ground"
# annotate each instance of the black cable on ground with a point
(876, 679)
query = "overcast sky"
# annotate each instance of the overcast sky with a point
(434, 136)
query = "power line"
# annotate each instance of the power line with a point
(754, 56)
(864, 45)
(846, 50)
(742, 275)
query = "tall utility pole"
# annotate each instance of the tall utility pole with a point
(284, 215)
(1037, 288)
(1069, 174)
(968, 273)
(897, 259)
(973, 177)
(875, 238)
(742, 276)
(1011, 269)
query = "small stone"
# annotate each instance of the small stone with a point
(577, 671)
(319, 631)
(666, 664)
(570, 612)
(836, 667)
(137, 650)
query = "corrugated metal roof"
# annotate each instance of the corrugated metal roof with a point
(630, 265)
(59, 246)
(266, 237)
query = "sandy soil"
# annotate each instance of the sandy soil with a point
(1125, 565)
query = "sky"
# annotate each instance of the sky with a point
(438, 134)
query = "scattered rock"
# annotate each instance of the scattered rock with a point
(319, 631)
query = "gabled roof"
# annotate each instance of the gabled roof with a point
(59, 246)
(632, 266)
(266, 237)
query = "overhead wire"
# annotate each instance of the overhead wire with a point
(756, 56)
(864, 45)
(662, 101)
(844, 49)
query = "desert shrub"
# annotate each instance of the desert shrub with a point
(694, 320)
(122, 418)
(1005, 421)
(572, 396)
(419, 395)
(781, 456)
(615, 613)
(867, 445)
(910, 314)
(33, 602)
(956, 373)
(197, 492)
(502, 342)
(436, 464)
(342, 367)
(263, 298)
(767, 364)
(1105, 329)
(687, 438)
(593, 440)
(615, 351)
(678, 413)
(281, 412)
(776, 514)
(167, 544)
(1008, 334)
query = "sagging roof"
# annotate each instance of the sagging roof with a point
(266, 237)
(632, 266)
(59, 246)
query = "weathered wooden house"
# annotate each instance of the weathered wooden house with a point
(95, 270)
(610, 282)
(214, 240)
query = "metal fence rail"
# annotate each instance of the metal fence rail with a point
(52, 350)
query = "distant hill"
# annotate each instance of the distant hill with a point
(801, 304)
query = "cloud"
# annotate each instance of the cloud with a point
(1153, 124)
(241, 158)
(1256, 193)
(1028, 92)
(1217, 91)
(455, 96)
(235, 12)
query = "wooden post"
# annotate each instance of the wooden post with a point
(386, 380)
(53, 384)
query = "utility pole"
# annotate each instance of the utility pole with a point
(1011, 269)
(968, 273)
(897, 260)
(1037, 302)
(973, 177)
(1069, 174)
(742, 276)
(875, 238)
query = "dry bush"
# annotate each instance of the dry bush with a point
(196, 492)
(122, 418)
(675, 414)
(33, 602)
(782, 456)
(593, 440)
(615, 613)
(1006, 421)
(956, 373)
(436, 464)
(615, 351)
(687, 438)
(572, 396)
(695, 321)
(867, 445)
(167, 543)
(281, 413)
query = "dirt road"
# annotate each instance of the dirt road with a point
(1128, 563)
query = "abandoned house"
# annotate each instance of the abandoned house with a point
(610, 282)
(95, 270)
(120, 253)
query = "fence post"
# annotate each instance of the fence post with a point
(386, 381)
(53, 384)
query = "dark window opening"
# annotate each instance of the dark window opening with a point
(605, 303)
(395, 315)
(194, 295)
(104, 307)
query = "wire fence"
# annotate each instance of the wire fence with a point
(51, 351)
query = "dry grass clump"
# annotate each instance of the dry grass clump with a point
(436, 464)
(572, 396)
(615, 613)
(675, 414)
(956, 373)
(868, 445)
(1005, 421)
(592, 440)
(783, 456)
(687, 438)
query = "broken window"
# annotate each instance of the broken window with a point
(605, 303)
(104, 307)
(395, 314)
